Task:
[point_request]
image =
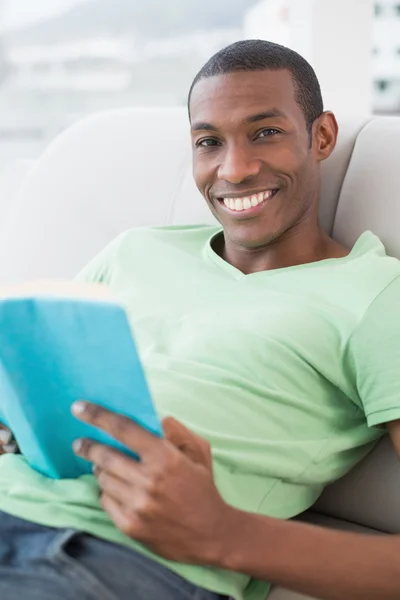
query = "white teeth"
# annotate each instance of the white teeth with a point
(246, 203)
(238, 204)
(254, 200)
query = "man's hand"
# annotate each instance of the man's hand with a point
(7, 442)
(168, 499)
(169, 502)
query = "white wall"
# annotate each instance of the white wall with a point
(335, 36)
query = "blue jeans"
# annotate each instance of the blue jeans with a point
(43, 563)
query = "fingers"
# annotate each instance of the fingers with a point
(129, 507)
(109, 460)
(124, 522)
(121, 491)
(149, 447)
(135, 502)
(192, 445)
(129, 433)
(8, 445)
(5, 437)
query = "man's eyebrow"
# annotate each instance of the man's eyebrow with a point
(268, 114)
(203, 127)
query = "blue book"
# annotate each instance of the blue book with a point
(59, 343)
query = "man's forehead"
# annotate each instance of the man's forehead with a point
(242, 92)
(242, 96)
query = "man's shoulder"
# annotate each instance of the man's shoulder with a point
(366, 273)
(146, 246)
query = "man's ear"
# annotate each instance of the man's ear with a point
(325, 133)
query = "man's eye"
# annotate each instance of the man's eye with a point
(271, 131)
(207, 142)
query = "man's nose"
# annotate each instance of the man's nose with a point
(238, 164)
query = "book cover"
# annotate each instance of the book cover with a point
(62, 342)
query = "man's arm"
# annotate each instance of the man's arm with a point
(327, 564)
(169, 502)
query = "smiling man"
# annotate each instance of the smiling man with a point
(258, 139)
(265, 337)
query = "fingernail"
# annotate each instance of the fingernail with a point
(78, 408)
(77, 446)
(5, 436)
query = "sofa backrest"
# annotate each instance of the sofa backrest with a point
(116, 170)
(121, 169)
(370, 199)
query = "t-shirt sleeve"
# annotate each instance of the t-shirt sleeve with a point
(100, 268)
(374, 356)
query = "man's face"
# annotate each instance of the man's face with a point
(252, 159)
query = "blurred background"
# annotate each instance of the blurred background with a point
(63, 59)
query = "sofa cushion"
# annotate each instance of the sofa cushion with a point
(334, 169)
(369, 494)
(369, 198)
(107, 173)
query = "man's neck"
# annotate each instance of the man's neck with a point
(291, 249)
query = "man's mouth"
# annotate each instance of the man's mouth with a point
(247, 204)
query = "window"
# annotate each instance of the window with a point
(65, 59)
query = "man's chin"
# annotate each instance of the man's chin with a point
(250, 236)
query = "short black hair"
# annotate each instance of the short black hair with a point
(256, 55)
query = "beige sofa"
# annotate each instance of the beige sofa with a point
(126, 168)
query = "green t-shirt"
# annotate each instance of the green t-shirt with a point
(286, 372)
